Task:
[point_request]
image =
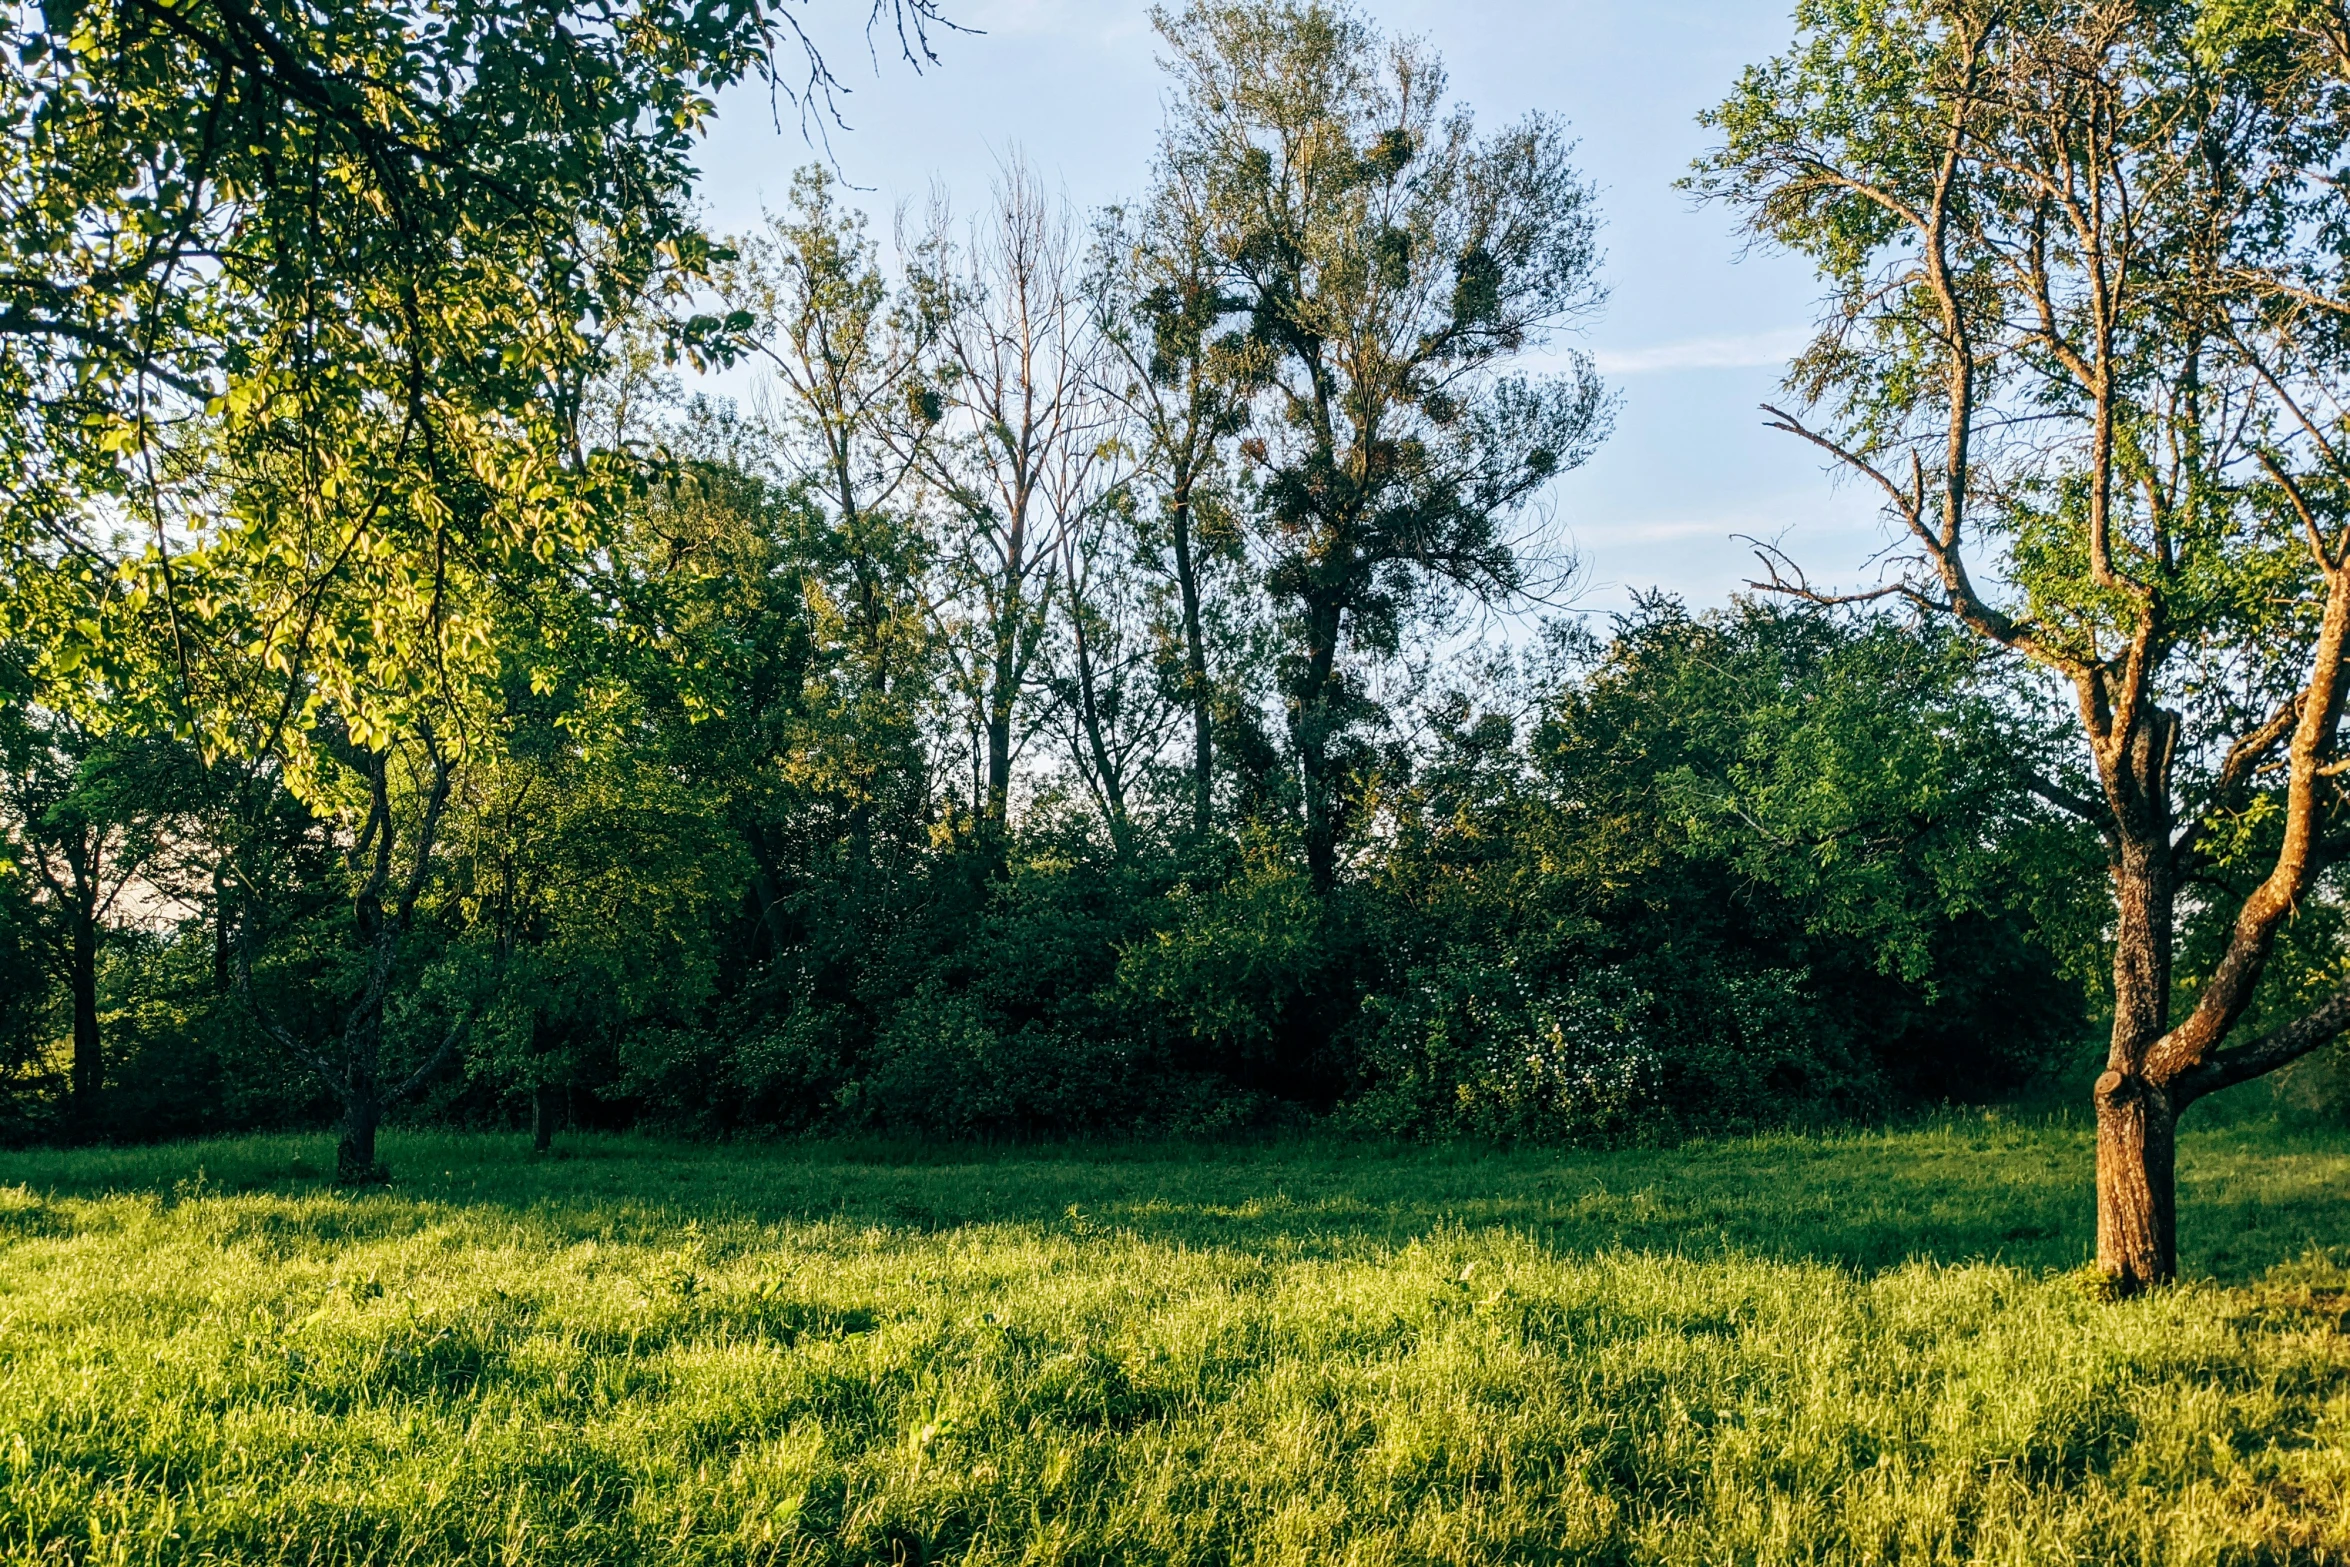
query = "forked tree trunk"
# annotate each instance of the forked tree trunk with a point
(1195, 668)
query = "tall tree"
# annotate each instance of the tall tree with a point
(2066, 344)
(851, 419)
(1186, 377)
(474, 187)
(1024, 454)
(1392, 262)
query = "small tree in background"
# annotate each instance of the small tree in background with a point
(84, 820)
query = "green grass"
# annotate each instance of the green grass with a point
(1859, 1348)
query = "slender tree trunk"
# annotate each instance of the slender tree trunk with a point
(546, 1114)
(1000, 698)
(1195, 671)
(362, 1094)
(223, 940)
(1314, 723)
(1089, 717)
(89, 1061)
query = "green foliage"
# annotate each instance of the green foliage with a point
(1010, 727)
(184, 1057)
(1228, 970)
(1391, 264)
(1841, 1348)
(1757, 864)
(606, 872)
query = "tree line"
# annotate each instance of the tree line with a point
(1117, 672)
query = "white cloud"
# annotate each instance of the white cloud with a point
(1748, 351)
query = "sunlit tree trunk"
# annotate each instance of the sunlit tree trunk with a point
(2137, 1241)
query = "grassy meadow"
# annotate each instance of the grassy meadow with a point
(1851, 1348)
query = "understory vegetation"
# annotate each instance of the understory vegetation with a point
(1841, 1348)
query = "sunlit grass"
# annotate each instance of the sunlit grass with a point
(1863, 1348)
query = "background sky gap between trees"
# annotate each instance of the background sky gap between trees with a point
(1695, 333)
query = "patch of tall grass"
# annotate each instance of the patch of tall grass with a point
(1856, 1349)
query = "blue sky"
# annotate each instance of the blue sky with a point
(1694, 336)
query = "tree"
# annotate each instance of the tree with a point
(316, 299)
(852, 419)
(2067, 343)
(469, 194)
(1390, 262)
(25, 996)
(83, 820)
(1025, 453)
(1186, 379)
(174, 175)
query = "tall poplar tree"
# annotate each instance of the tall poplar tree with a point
(1392, 263)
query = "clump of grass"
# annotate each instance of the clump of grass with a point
(654, 1354)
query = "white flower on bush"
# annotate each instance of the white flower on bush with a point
(1579, 1053)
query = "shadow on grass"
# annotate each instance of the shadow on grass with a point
(2255, 1194)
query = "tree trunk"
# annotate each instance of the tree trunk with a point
(999, 749)
(89, 1061)
(2137, 1236)
(1314, 723)
(1089, 718)
(2137, 1215)
(1195, 672)
(223, 949)
(546, 1113)
(355, 1163)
